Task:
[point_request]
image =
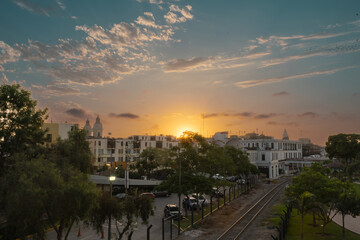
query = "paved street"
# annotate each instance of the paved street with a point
(139, 233)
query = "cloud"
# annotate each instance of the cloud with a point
(239, 114)
(147, 20)
(183, 65)
(265, 116)
(7, 53)
(124, 115)
(258, 82)
(51, 7)
(274, 123)
(4, 79)
(203, 64)
(103, 56)
(308, 115)
(185, 14)
(283, 93)
(56, 90)
(151, 1)
(77, 113)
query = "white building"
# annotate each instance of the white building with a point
(58, 130)
(123, 150)
(265, 152)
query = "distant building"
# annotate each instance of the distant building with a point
(120, 151)
(58, 130)
(265, 152)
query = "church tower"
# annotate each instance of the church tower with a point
(97, 129)
(88, 128)
(285, 135)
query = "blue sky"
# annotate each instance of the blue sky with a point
(156, 66)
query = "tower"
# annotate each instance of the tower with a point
(97, 128)
(285, 135)
(88, 128)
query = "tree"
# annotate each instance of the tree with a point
(302, 202)
(347, 204)
(74, 151)
(324, 192)
(51, 196)
(20, 125)
(125, 212)
(345, 147)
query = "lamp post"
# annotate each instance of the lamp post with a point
(111, 179)
(179, 195)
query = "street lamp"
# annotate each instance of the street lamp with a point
(111, 179)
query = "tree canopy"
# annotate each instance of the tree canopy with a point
(20, 124)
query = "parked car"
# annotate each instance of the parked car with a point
(216, 193)
(148, 194)
(231, 178)
(218, 177)
(121, 195)
(161, 193)
(172, 210)
(202, 199)
(189, 203)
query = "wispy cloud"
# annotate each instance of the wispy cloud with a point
(282, 93)
(204, 63)
(257, 82)
(256, 116)
(151, 1)
(56, 90)
(308, 115)
(292, 124)
(4, 79)
(45, 8)
(124, 115)
(183, 65)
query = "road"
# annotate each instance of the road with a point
(139, 234)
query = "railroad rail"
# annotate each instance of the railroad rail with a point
(241, 224)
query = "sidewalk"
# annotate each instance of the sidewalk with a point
(352, 224)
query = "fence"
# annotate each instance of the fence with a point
(284, 224)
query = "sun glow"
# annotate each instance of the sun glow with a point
(180, 133)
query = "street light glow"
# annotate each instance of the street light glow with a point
(112, 178)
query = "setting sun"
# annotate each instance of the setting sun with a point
(180, 133)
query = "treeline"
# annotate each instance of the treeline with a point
(48, 187)
(325, 190)
(190, 167)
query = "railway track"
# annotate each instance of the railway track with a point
(238, 228)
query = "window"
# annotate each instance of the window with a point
(263, 157)
(145, 144)
(101, 151)
(126, 144)
(122, 143)
(121, 151)
(99, 143)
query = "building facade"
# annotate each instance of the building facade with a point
(120, 151)
(58, 130)
(267, 153)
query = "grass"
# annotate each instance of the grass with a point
(277, 210)
(332, 230)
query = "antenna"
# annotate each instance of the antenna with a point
(203, 117)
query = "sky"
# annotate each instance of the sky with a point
(163, 67)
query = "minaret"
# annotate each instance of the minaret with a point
(97, 129)
(88, 128)
(285, 135)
